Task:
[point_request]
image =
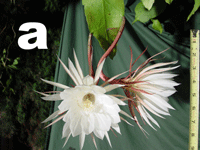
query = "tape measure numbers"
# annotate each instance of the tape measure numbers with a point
(194, 90)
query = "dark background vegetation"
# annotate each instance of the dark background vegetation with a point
(21, 109)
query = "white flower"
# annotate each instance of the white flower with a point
(88, 109)
(150, 87)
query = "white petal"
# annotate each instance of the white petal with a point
(69, 73)
(99, 133)
(159, 76)
(124, 113)
(52, 116)
(116, 127)
(155, 108)
(53, 97)
(64, 105)
(164, 83)
(157, 65)
(98, 89)
(66, 130)
(74, 72)
(42, 93)
(81, 140)
(78, 65)
(75, 125)
(88, 80)
(112, 87)
(117, 100)
(157, 100)
(88, 123)
(144, 116)
(107, 136)
(67, 137)
(98, 71)
(150, 117)
(115, 118)
(55, 84)
(102, 122)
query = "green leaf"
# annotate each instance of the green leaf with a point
(168, 1)
(148, 3)
(195, 8)
(157, 25)
(104, 19)
(16, 61)
(143, 15)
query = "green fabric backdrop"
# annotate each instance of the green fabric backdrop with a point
(174, 130)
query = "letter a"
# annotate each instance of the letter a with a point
(40, 34)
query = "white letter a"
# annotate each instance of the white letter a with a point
(40, 34)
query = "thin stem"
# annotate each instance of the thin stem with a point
(109, 50)
(91, 71)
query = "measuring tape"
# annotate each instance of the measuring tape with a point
(194, 90)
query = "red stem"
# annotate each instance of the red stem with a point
(109, 50)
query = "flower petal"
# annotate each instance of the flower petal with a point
(117, 100)
(116, 127)
(112, 87)
(74, 72)
(81, 140)
(53, 97)
(55, 84)
(52, 116)
(88, 80)
(98, 72)
(78, 65)
(107, 136)
(68, 71)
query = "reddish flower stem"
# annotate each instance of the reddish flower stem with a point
(109, 50)
(91, 71)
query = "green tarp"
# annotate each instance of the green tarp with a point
(173, 133)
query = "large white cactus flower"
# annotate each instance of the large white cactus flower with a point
(89, 110)
(151, 86)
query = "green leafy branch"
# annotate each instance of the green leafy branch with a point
(150, 9)
(104, 18)
(7, 65)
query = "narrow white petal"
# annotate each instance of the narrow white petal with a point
(55, 120)
(124, 113)
(42, 93)
(107, 136)
(159, 76)
(99, 133)
(55, 84)
(157, 101)
(98, 71)
(164, 83)
(116, 127)
(148, 107)
(155, 108)
(78, 65)
(112, 87)
(67, 137)
(74, 72)
(52, 116)
(81, 140)
(53, 97)
(126, 121)
(157, 65)
(151, 118)
(69, 73)
(117, 100)
(144, 116)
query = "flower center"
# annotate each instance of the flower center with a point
(88, 100)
